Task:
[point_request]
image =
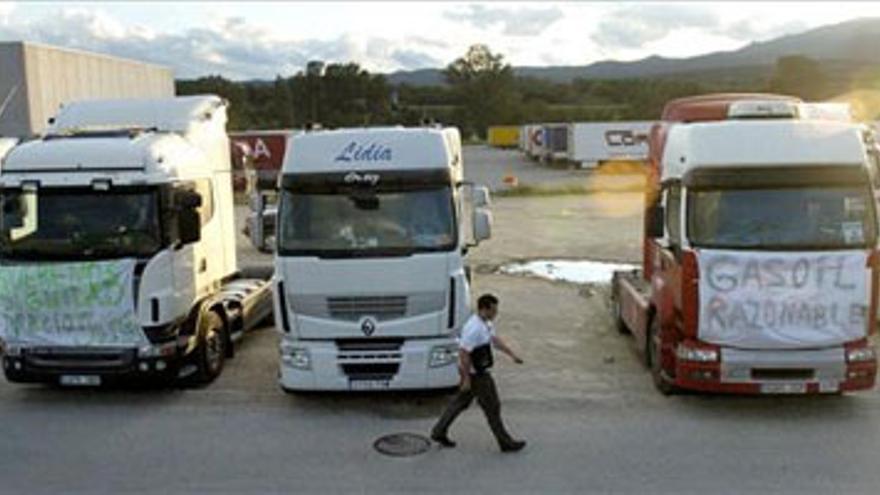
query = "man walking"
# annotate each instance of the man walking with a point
(475, 359)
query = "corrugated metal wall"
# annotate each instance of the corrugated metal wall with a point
(53, 76)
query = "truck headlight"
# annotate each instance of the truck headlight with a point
(296, 357)
(860, 355)
(443, 355)
(699, 354)
(149, 351)
(10, 349)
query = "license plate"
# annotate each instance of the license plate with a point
(783, 388)
(80, 380)
(829, 386)
(369, 384)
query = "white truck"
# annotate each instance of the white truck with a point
(591, 144)
(6, 145)
(371, 287)
(117, 246)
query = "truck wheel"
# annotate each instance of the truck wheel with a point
(617, 313)
(211, 352)
(654, 360)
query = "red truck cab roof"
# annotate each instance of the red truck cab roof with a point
(712, 107)
(702, 108)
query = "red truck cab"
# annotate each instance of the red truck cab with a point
(759, 255)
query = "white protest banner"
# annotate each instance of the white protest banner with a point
(783, 300)
(69, 304)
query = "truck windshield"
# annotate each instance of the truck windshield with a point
(79, 224)
(366, 223)
(782, 218)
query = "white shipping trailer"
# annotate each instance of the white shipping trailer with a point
(534, 144)
(36, 80)
(591, 144)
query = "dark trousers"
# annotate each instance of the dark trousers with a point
(483, 388)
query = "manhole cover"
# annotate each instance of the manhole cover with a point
(402, 444)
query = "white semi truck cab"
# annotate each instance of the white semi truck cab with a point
(371, 286)
(117, 246)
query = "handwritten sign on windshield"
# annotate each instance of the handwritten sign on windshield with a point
(69, 304)
(783, 300)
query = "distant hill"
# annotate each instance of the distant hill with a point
(849, 44)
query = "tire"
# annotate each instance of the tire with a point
(652, 352)
(617, 313)
(210, 355)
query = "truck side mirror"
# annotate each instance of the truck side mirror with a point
(188, 199)
(189, 226)
(13, 214)
(482, 225)
(655, 218)
(481, 197)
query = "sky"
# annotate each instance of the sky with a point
(259, 40)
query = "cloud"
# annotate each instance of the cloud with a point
(427, 42)
(514, 22)
(754, 30)
(231, 46)
(413, 59)
(635, 26)
(6, 9)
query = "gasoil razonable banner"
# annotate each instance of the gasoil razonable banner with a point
(69, 304)
(783, 300)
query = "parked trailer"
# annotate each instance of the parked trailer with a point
(259, 156)
(555, 142)
(503, 136)
(757, 276)
(260, 151)
(118, 247)
(36, 80)
(591, 144)
(535, 139)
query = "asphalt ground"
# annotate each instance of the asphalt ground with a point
(582, 400)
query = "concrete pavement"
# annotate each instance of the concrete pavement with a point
(582, 400)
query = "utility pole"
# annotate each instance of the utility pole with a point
(314, 73)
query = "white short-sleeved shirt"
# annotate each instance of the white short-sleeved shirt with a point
(476, 332)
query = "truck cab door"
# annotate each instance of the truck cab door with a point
(668, 263)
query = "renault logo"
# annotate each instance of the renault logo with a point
(368, 326)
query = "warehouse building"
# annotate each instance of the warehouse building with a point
(35, 80)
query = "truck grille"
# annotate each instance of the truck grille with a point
(370, 371)
(355, 308)
(783, 374)
(49, 359)
(382, 307)
(375, 344)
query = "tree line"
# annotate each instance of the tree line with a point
(481, 90)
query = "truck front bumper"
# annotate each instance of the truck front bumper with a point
(52, 364)
(368, 365)
(813, 371)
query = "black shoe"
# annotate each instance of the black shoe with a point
(443, 440)
(514, 446)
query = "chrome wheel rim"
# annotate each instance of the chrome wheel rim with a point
(213, 350)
